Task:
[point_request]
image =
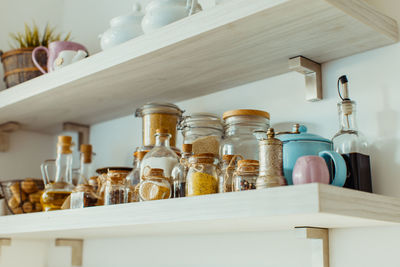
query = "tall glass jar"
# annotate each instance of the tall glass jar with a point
(204, 131)
(154, 185)
(239, 128)
(161, 156)
(116, 190)
(245, 176)
(203, 175)
(180, 171)
(159, 116)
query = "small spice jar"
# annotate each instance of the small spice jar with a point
(116, 189)
(245, 176)
(83, 196)
(203, 175)
(154, 185)
(102, 181)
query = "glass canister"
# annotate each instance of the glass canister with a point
(203, 175)
(204, 131)
(159, 116)
(245, 176)
(154, 185)
(239, 128)
(116, 190)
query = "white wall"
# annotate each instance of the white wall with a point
(374, 84)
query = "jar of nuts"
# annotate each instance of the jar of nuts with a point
(154, 185)
(245, 176)
(117, 188)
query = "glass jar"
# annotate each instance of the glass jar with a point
(245, 176)
(161, 156)
(159, 116)
(203, 175)
(154, 185)
(229, 163)
(204, 131)
(239, 128)
(83, 196)
(180, 171)
(134, 176)
(116, 186)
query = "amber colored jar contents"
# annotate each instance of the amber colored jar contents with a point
(202, 178)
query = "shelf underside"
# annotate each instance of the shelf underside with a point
(230, 45)
(284, 208)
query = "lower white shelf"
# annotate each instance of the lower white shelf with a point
(312, 205)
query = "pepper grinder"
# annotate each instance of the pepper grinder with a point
(271, 161)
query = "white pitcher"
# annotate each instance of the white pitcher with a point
(67, 57)
(162, 12)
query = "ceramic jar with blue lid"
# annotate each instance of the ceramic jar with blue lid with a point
(299, 143)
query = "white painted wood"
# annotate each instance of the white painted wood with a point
(320, 244)
(226, 46)
(311, 205)
(77, 249)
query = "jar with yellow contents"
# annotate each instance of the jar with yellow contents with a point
(203, 175)
(154, 185)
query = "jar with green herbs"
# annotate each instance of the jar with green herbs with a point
(245, 176)
(203, 175)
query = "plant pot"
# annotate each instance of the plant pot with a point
(19, 67)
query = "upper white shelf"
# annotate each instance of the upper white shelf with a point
(232, 44)
(283, 208)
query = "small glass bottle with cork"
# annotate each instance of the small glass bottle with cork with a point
(180, 172)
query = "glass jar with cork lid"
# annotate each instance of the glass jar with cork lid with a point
(245, 176)
(116, 189)
(159, 116)
(203, 175)
(239, 128)
(154, 185)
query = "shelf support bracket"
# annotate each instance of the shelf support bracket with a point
(313, 75)
(82, 130)
(5, 130)
(4, 242)
(320, 244)
(77, 249)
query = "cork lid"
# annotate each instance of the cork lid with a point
(187, 148)
(140, 154)
(207, 158)
(248, 166)
(64, 139)
(227, 158)
(162, 131)
(156, 173)
(117, 175)
(248, 162)
(64, 144)
(86, 151)
(245, 112)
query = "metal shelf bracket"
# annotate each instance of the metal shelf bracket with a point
(77, 249)
(4, 242)
(313, 75)
(320, 244)
(5, 130)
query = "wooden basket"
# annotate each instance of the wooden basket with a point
(19, 67)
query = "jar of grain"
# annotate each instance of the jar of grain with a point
(203, 175)
(245, 176)
(159, 116)
(204, 131)
(117, 188)
(239, 128)
(154, 185)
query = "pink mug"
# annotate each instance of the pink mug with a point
(314, 169)
(52, 52)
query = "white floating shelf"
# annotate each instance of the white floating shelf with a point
(232, 44)
(283, 208)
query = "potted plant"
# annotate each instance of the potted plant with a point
(17, 63)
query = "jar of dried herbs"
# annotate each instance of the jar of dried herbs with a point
(154, 185)
(116, 189)
(245, 176)
(203, 175)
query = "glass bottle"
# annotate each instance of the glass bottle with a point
(351, 143)
(245, 176)
(134, 176)
(58, 189)
(161, 156)
(84, 194)
(180, 171)
(229, 163)
(154, 185)
(204, 131)
(239, 128)
(203, 175)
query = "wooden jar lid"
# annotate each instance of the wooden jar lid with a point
(245, 112)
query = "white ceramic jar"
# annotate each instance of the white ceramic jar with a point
(163, 12)
(123, 28)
